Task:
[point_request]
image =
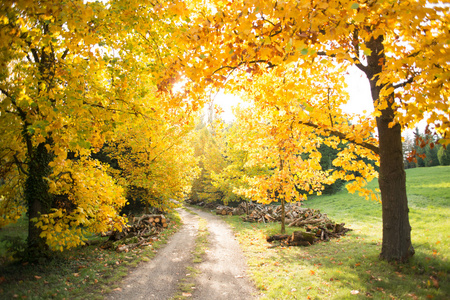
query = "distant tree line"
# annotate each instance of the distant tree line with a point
(422, 150)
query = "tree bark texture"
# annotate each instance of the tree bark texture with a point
(38, 198)
(396, 245)
(283, 217)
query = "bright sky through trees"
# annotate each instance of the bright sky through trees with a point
(358, 88)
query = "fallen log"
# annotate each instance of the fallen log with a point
(277, 237)
(299, 236)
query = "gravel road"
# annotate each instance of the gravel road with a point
(222, 271)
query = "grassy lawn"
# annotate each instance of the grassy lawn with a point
(349, 268)
(86, 272)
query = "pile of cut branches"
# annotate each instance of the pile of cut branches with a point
(295, 214)
(311, 236)
(139, 231)
(230, 211)
(319, 227)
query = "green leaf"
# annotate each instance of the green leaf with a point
(367, 52)
(304, 51)
(354, 6)
(84, 144)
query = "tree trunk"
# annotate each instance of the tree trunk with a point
(283, 210)
(38, 198)
(396, 244)
(392, 180)
(283, 217)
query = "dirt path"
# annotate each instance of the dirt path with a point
(222, 271)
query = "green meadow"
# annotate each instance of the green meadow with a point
(349, 267)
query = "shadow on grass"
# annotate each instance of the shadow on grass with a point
(343, 268)
(87, 272)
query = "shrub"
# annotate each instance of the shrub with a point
(444, 156)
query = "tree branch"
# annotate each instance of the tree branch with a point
(343, 136)
(404, 83)
(58, 177)
(35, 55)
(361, 67)
(64, 54)
(19, 165)
(5, 93)
(269, 65)
(323, 53)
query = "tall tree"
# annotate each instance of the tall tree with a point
(401, 47)
(209, 155)
(273, 134)
(154, 156)
(54, 103)
(72, 73)
(231, 178)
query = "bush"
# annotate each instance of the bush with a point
(444, 156)
(15, 247)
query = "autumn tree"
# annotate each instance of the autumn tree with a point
(231, 178)
(208, 149)
(401, 47)
(51, 106)
(272, 132)
(154, 156)
(73, 73)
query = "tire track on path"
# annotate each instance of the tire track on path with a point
(159, 278)
(222, 271)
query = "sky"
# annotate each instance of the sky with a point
(358, 88)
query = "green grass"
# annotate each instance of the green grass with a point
(86, 272)
(349, 267)
(12, 232)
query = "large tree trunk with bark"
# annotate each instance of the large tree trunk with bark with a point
(38, 198)
(396, 244)
(392, 180)
(283, 217)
